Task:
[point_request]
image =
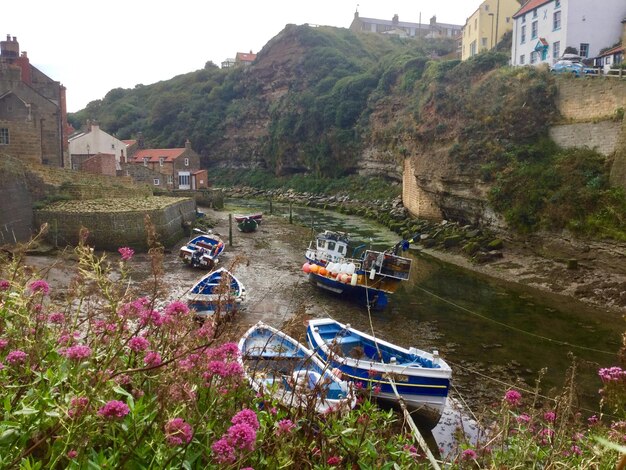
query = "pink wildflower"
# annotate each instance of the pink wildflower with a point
(612, 374)
(148, 317)
(178, 432)
(593, 420)
(138, 343)
(545, 436)
(223, 451)
(176, 308)
(576, 450)
(39, 286)
(372, 373)
(246, 416)
(549, 416)
(469, 454)
(72, 454)
(273, 411)
(513, 397)
(523, 418)
(127, 253)
(333, 460)
(114, 409)
(16, 357)
(242, 436)
(77, 352)
(3, 343)
(4, 285)
(410, 449)
(285, 426)
(152, 359)
(376, 389)
(78, 405)
(57, 318)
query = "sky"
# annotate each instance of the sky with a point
(94, 47)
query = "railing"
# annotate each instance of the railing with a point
(611, 73)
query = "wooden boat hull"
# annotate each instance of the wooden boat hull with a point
(202, 251)
(247, 225)
(278, 365)
(218, 292)
(421, 379)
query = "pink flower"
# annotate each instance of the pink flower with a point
(246, 416)
(223, 451)
(469, 454)
(376, 389)
(285, 426)
(77, 352)
(72, 454)
(549, 416)
(138, 343)
(16, 357)
(593, 420)
(333, 460)
(78, 405)
(545, 436)
(39, 286)
(57, 318)
(576, 450)
(523, 418)
(612, 374)
(178, 432)
(152, 359)
(410, 449)
(176, 308)
(513, 397)
(153, 317)
(242, 436)
(127, 253)
(4, 285)
(114, 409)
(3, 343)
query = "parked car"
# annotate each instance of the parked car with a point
(572, 67)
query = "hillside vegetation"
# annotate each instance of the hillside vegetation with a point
(325, 108)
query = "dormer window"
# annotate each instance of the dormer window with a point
(161, 160)
(145, 161)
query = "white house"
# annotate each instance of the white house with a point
(87, 144)
(543, 29)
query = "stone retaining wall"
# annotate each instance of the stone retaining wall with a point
(109, 231)
(601, 136)
(590, 98)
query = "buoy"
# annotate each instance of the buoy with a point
(306, 267)
(344, 267)
(323, 271)
(345, 278)
(351, 268)
(315, 268)
(353, 279)
(372, 274)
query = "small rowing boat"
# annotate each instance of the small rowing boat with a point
(202, 251)
(219, 292)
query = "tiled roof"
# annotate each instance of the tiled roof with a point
(154, 155)
(129, 142)
(530, 5)
(612, 51)
(245, 57)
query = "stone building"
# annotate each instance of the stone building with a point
(84, 145)
(177, 168)
(33, 114)
(396, 27)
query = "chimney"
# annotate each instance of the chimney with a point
(140, 142)
(187, 145)
(395, 19)
(9, 49)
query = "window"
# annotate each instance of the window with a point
(522, 59)
(145, 161)
(556, 20)
(533, 57)
(557, 3)
(183, 180)
(170, 179)
(4, 136)
(112, 146)
(584, 50)
(523, 18)
(535, 13)
(161, 160)
(483, 42)
(607, 61)
(556, 50)
(486, 7)
(523, 35)
(476, 23)
(533, 30)
(473, 48)
(186, 162)
(156, 181)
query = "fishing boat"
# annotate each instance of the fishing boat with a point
(278, 365)
(202, 251)
(218, 292)
(422, 379)
(367, 275)
(248, 223)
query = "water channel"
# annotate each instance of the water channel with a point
(494, 335)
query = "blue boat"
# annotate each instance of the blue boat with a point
(219, 292)
(278, 365)
(202, 251)
(367, 275)
(422, 379)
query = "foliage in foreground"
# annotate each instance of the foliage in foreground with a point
(101, 374)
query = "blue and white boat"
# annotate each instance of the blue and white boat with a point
(278, 365)
(202, 251)
(218, 292)
(422, 379)
(367, 275)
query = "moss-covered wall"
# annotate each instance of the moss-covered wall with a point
(111, 230)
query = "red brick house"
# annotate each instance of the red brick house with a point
(177, 168)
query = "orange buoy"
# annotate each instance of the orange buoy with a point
(323, 271)
(306, 267)
(315, 268)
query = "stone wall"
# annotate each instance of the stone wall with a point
(417, 201)
(590, 99)
(602, 136)
(111, 230)
(16, 214)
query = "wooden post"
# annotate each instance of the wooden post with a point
(270, 205)
(230, 229)
(290, 213)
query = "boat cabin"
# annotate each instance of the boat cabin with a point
(331, 246)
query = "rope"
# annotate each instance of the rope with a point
(519, 330)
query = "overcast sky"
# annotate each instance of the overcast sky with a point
(93, 47)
